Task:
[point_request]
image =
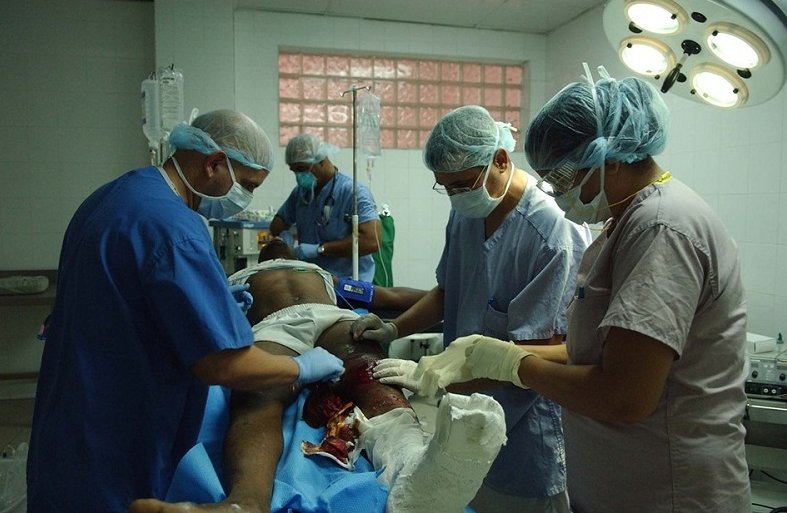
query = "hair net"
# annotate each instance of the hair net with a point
(466, 137)
(308, 148)
(588, 124)
(230, 131)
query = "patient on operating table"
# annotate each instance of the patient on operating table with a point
(295, 309)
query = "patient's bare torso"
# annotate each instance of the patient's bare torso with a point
(274, 289)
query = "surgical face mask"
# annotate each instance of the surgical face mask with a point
(477, 203)
(235, 200)
(305, 179)
(596, 211)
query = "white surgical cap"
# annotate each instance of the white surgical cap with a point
(627, 122)
(308, 149)
(230, 131)
(465, 137)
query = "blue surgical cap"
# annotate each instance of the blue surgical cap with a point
(229, 131)
(627, 122)
(466, 137)
(308, 149)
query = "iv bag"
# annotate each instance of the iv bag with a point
(162, 109)
(170, 98)
(151, 114)
(368, 124)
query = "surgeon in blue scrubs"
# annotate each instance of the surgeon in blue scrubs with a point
(320, 207)
(144, 321)
(508, 266)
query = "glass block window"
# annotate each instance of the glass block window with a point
(414, 94)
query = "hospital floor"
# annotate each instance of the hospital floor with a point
(16, 417)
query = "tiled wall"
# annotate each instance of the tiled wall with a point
(70, 119)
(413, 94)
(248, 60)
(399, 177)
(734, 159)
(69, 122)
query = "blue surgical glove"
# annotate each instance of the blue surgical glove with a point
(287, 237)
(306, 251)
(242, 296)
(317, 365)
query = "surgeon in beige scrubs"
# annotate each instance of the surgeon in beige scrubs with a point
(651, 377)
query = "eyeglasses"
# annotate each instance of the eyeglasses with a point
(450, 190)
(558, 181)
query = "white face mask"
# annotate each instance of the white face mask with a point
(478, 203)
(596, 211)
(235, 200)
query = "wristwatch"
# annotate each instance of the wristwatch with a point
(320, 249)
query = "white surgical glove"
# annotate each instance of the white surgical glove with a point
(435, 373)
(371, 327)
(488, 357)
(396, 372)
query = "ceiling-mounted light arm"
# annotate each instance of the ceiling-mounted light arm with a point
(689, 48)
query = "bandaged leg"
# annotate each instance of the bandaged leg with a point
(445, 472)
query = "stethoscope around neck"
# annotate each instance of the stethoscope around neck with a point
(327, 208)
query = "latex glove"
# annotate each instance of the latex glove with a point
(371, 327)
(306, 251)
(287, 237)
(317, 365)
(491, 358)
(396, 372)
(435, 373)
(242, 296)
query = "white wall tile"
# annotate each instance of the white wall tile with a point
(780, 315)
(760, 312)
(74, 97)
(16, 250)
(14, 143)
(15, 106)
(42, 143)
(766, 169)
(762, 218)
(347, 33)
(766, 122)
(759, 261)
(734, 176)
(706, 172)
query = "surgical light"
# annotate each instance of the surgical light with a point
(718, 87)
(646, 56)
(737, 46)
(658, 16)
(726, 53)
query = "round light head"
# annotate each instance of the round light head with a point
(737, 46)
(718, 86)
(658, 16)
(646, 56)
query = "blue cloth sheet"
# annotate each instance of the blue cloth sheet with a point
(302, 485)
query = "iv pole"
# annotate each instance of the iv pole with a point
(354, 90)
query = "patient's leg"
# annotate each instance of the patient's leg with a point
(444, 472)
(357, 384)
(252, 449)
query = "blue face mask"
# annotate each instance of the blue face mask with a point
(306, 180)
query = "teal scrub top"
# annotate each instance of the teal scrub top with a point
(315, 227)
